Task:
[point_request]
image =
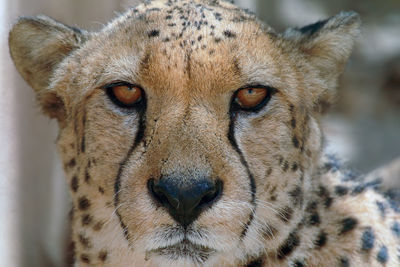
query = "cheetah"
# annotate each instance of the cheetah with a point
(190, 135)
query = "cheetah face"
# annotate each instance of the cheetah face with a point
(189, 131)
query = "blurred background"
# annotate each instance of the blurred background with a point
(364, 127)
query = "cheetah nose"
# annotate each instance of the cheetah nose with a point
(185, 201)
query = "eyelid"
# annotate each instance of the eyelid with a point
(118, 83)
(249, 86)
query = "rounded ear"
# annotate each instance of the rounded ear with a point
(327, 45)
(37, 46)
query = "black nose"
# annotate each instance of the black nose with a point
(185, 200)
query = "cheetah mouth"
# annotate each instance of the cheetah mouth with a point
(184, 250)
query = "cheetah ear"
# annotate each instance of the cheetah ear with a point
(327, 45)
(37, 45)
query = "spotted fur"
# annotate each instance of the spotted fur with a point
(284, 202)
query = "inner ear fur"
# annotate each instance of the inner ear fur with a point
(326, 45)
(37, 46)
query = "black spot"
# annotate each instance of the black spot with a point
(285, 166)
(293, 123)
(103, 255)
(280, 159)
(84, 241)
(153, 33)
(314, 219)
(85, 258)
(74, 184)
(347, 224)
(344, 262)
(383, 255)
(199, 38)
(168, 17)
(382, 208)
(101, 190)
(312, 206)
(229, 34)
(255, 263)
(87, 176)
(166, 40)
(171, 24)
(295, 142)
(218, 16)
(289, 245)
(324, 194)
(285, 214)
(71, 163)
(341, 190)
(328, 202)
(83, 203)
(83, 144)
(367, 239)
(297, 195)
(217, 40)
(86, 219)
(298, 263)
(321, 240)
(396, 229)
(294, 166)
(313, 28)
(99, 225)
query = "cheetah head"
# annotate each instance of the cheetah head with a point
(189, 130)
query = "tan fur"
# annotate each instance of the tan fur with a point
(189, 72)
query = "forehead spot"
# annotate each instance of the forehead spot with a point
(103, 256)
(229, 34)
(85, 258)
(74, 184)
(83, 203)
(153, 33)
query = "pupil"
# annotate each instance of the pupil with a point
(250, 91)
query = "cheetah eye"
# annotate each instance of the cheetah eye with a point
(124, 94)
(252, 98)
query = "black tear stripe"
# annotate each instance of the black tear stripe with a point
(138, 138)
(80, 129)
(232, 140)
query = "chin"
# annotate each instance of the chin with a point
(183, 253)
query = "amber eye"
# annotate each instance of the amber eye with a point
(252, 97)
(124, 94)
